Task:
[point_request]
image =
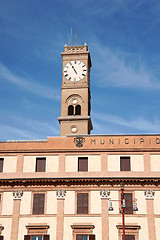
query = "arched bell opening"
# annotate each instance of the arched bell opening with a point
(70, 110)
(78, 110)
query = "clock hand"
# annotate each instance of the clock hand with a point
(74, 69)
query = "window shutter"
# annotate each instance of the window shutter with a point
(79, 237)
(46, 237)
(125, 164)
(1, 164)
(82, 203)
(92, 237)
(79, 203)
(85, 203)
(129, 204)
(40, 164)
(26, 237)
(83, 164)
(129, 237)
(41, 203)
(38, 203)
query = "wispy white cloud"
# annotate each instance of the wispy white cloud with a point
(26, 129)
(36, 126)
(35, 88)
(119, 69)
(11, 133)
(139, 124)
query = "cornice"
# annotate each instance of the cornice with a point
(77, 150)
(79, 182)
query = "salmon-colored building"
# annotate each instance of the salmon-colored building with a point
(64, 188)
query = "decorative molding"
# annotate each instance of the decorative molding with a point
(149, 194)
(129, 230)
(75, 49)
(79, 141)
(61, 194)
(82, 226)
(17, 195)
(104, 193)
(37, 228)
(76, 180)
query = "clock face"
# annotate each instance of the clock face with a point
(75, 71)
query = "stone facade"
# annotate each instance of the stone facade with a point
(79, 177)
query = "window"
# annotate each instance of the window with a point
(1, 164)
(82, 203)
(37, 231)
(131, 232)
(38, 203)
(37, 238)
(29, 237)
(74, 110)
(129, 237)
(83, 164)
(125, 164)
(83, 232)
(85, 237)
(78, 110)
(70, 110)
(129, 203)
(40, 164)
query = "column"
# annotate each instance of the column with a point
(105, 218)
(149, 194)
(17, 195)
(60, 214)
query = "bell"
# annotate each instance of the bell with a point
(110, 206)
(135, 207)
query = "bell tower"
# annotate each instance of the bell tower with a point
(75, 97)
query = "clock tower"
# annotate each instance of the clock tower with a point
(75, 100)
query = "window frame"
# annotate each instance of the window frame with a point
(32, 203)
(129, 230)
(29, 237)
(82, 158)
(82, 229)
(40, 159)
(37, 229)
(122, 168)
(1, 158)
(133, 197)
(89, 203)
(1, 201)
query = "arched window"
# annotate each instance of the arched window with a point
(78, 110)
(70, 110)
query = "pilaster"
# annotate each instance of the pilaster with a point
(60, 214)
(104, 194)
(149, 194)
(17, 195)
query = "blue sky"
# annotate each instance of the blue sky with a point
(123, 37)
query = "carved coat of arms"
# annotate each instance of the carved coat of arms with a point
(79, 141)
